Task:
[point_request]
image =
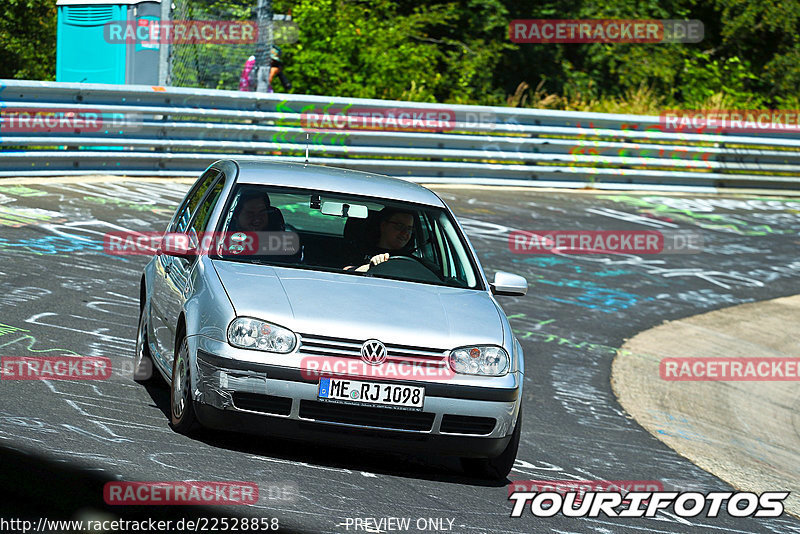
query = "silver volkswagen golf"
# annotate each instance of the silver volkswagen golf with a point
(331, 305)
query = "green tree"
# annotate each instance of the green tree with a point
(750, 55)
(386, 49)
(460, 52)
(767, 33)
(28, 39)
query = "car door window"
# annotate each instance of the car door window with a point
(454, 257)
(203, 212)
(189, 207)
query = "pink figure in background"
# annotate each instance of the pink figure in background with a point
(244, 79)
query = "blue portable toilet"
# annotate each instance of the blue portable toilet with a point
(84, 52)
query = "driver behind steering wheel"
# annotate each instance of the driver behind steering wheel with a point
(395, 228)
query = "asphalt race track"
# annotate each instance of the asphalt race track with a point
(61, 294)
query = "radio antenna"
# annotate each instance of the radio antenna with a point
(306, 148)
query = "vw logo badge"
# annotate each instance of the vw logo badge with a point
(373, 352)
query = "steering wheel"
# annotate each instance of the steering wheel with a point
(406, 267)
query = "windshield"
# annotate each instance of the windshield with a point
(348, 234)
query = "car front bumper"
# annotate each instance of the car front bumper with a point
(268, 399)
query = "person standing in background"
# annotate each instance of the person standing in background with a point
(276, 69)
(247, 80)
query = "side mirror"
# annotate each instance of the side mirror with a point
(509, 284)
(177, 245)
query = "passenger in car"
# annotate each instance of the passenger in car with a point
(253, 213)
(390, 237)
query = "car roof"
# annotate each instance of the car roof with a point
(332, 179)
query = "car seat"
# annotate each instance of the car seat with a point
(276, 222)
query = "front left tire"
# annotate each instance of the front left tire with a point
(142, 359)
(498, 467)
(181, 403)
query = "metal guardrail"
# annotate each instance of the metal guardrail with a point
(180, 131)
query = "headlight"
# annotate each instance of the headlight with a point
(249, 333)
(480, 360)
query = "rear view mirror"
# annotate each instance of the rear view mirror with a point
(509, 284)
(337, 209)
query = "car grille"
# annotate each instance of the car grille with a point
(466, 424)
(262, 403)
(351, 348)
(366, 416)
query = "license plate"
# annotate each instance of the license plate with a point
(358, 392)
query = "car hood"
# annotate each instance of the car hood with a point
(359, 308)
